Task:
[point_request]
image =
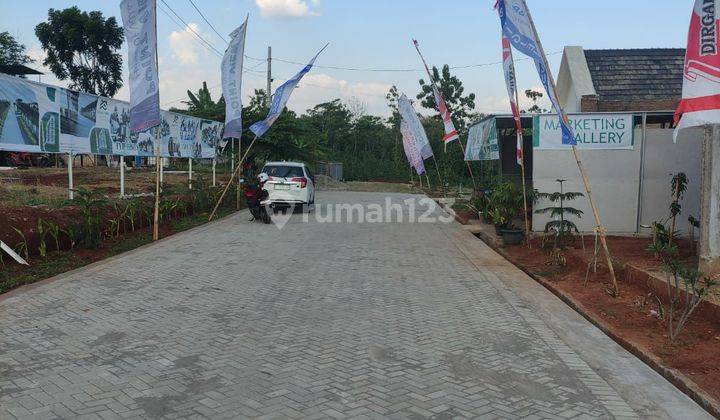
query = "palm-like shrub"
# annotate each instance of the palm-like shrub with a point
(560, 228)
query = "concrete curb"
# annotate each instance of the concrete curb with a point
(679, 380)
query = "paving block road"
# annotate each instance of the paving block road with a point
(315, 320)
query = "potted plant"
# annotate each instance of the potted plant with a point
(505, 203)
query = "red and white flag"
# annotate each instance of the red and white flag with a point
(450, 131)
(700, 104)
(511, 84)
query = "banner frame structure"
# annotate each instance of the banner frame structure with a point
(581, 167)
(100, 127)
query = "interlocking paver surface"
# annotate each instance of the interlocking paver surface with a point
(317, 320)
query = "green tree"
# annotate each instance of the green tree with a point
(12, 52)
(201, 105)
(83, 47)
(534, 96)
(452, 90)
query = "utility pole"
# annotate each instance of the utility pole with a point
(269, 77)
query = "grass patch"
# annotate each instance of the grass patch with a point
(18, 195)
(40, 270)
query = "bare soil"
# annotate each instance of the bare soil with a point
(634, 314)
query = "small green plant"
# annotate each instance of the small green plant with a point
(663, 231)
(73, 234)
(22, 246)
(91, 204)
(686, 288)
(54, 230)
(42, 232)
(131, 211)
(560, 229)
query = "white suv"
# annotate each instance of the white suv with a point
(289, 183)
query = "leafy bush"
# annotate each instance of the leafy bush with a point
(686, 288)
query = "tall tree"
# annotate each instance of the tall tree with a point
(201, 105)
(452, 91)
(83, 47)
(12, 52)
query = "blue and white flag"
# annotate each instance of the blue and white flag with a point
(518, 29)
(280, 99)
(139, 24)
(232, 66)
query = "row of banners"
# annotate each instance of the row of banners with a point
(40, 118)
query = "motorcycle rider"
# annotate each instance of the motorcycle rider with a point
(254, 195)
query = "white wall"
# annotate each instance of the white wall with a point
(615, 180)
(663, 158)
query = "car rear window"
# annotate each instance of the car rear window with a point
(282, 171)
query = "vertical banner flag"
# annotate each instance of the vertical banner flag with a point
(700, 103)
(410, 117)
(139, 20)
(280, 99)
(511, 84)
(450, 132)
(232, 67)
(411, 150)
(517, 28)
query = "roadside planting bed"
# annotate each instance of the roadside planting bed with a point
(57, 235)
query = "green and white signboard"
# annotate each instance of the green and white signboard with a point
(482, 142)
(592, 131)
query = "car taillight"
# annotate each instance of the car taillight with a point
(301, 179)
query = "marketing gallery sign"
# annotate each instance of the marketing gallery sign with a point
(592, 131)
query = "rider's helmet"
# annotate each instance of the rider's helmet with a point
(263, 177)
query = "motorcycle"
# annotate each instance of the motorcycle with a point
(256, 197)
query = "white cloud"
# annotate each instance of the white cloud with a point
(286, 9)
(184, 45)
(319, 87)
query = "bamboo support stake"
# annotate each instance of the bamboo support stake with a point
(581, 168)
(232, 176)
(158, 165)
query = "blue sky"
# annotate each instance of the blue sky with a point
(372, 34)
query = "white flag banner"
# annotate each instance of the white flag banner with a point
(408, 114)
(232, 68)
(139, 23)
(411, 151)
(280, 99)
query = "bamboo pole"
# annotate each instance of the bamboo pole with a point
(437, 168)
(158, 165)
(232, 176)
(581, 167)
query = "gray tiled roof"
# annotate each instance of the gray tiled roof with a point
(637, 74)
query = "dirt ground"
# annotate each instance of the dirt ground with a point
(634, 315)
